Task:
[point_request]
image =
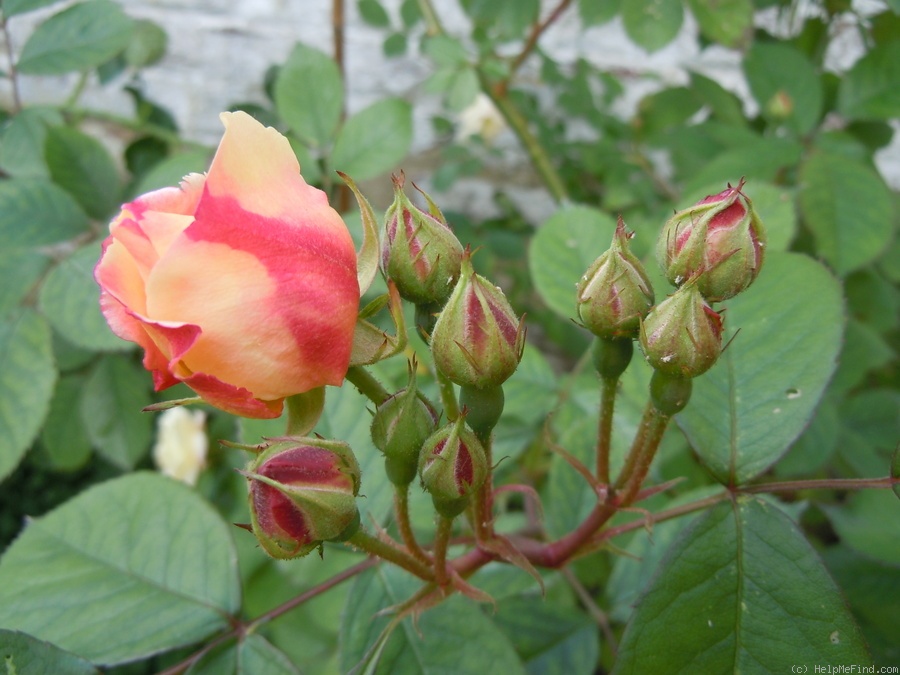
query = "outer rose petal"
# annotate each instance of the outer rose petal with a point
(232, 399)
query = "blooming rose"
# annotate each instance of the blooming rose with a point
(241, 283)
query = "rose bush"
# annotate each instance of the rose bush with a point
(241, 283)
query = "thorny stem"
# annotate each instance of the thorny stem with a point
(823, 484)
(536, 31)
(604, 429)
(655, 428)
(11, 58)
(517, 122)
(536, 152)
(441, 541)
(376, 547)
(484, 500)
(401, 510)
(637, 444)
(367, 384)
(272, 614)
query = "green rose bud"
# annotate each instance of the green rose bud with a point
(452, 466)
(682, 336)
(420, 252)
(477, 340)
(720, 240)
(615, 293)
(400, 426)
(302, 492)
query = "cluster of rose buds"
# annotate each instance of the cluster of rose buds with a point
(711, 252)
(278, 249)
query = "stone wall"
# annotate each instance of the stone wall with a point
(220, 49)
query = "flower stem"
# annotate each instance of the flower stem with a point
(448, 395)
(376, 547)
(484, 500)
(636, 445)
(604, 429)
(655, 427)
(368, 386)
(441, 541)
(540, 159)
(401, 509)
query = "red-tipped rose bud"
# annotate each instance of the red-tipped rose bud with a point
(477, 340)
(452, 465)
(400, 426)
(420, 252)
(682, 336)
(720, 240)
(302, 492)
(615, 293)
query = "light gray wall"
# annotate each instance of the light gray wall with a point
(219, 50)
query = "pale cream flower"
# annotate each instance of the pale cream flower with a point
(181, 444)
(480, 118)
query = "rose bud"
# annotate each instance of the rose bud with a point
(720, 239)
(615, 293)
(452, 465)
(477, 340)
(420, 252)
(682, 335)
(241, 283)
(303, 492)
(400, 426)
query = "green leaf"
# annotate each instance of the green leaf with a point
(252, 654)
(454, 637)
(76, 39)
(531, 391)
(394, 45)
(445, 51)
(869, 522)
(724, 105)
(815, 447)
(129, 568)
(747, 410)
(633, 571)
(148, 44)
(871, 90)
(864, 351)
(464, 87)
(374, 140)
(665, 109)
(27, 376)
(64, 437)
(23, 654)
(728, 22)
(866, 584)
(81, 165)
(70, 299)
(550, 640)
(35, 212)
(848, 208)
(596, 12)
(741, 591)
(13, 7)
(762, 159)
(19, 270)
(171, 170)
(309, 94)
(870, 428)
(22, 144)
(111, 404)
(373, 13)
(562, 250)
(785, 84)
(652, 24)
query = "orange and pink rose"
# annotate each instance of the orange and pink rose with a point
(241, 283)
